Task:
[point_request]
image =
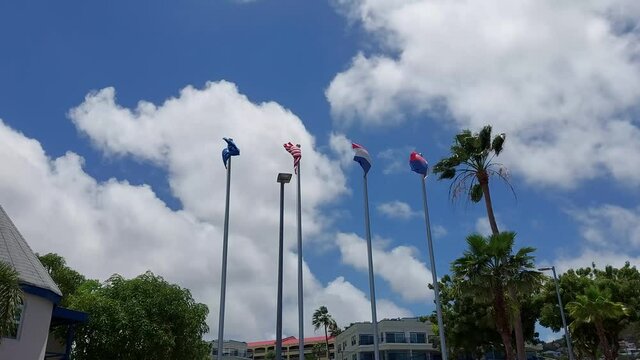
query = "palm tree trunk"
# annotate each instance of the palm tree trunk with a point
(483, 179)
(326, 340)
(517, 325)
(502, 323)
(606, 349)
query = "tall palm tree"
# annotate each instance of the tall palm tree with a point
(595, 307)
(322, 318)
(523, 278)
(9, 299)
(470, 165)
(490, 269)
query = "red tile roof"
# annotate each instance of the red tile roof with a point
(291, 340)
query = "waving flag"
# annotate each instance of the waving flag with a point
(362, 157)
(229, 151)
(294, 150)
(418, 163)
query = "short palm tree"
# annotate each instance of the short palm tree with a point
(470, 165)
(595, 307)
(490, 269)
(9, 299)
(322, 318)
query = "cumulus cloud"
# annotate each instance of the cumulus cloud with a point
(397, 210)
(562, 79)
(611, 234)
(395, 160)
(341, 147)
(103, 227)
(409, 280)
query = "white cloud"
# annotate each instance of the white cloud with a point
(341, 147)
(562, 79)
(395, 160)
(113, 226)
(484, 228)
(612, 235)
(439, 231)
(409, 280)
(397, 210)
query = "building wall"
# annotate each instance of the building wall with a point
(32, 336)
(290, 349)
(350, 347)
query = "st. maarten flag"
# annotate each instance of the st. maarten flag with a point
(362, 157)
(418, 163)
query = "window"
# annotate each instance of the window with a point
(434, 340)
(398, 355)
(367, 355)
(366, 339)
(339, 347)
(395, 337)
(353, 340)
(17, 321)
(344, 344)
(354, 357)
(418, 338)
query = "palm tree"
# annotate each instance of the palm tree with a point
(470, 166)
(9, 299)
(523, 278)
(321, 317)
(595, 307)
(490, 270)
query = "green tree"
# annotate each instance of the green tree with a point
(470, 165)
(322, 318)
(623, 286)
(141, 318)
(67, 279)
(334, 329)
(318, 350)
(9, 299)
(270, 355)
(595, 307)
(489, 270)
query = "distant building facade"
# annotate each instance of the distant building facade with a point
(231, 350)
(399, 339)
(258, 350)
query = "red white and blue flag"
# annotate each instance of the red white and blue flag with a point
(418, 163)
(294, 150)
(362, 157)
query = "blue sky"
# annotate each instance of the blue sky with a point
(392, 77)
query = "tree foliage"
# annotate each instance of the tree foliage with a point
(322, 318)
(470, 165)
(67, 279)
(616, 285)
(494, 275)
(9, 299)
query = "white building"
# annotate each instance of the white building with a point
(399, 339)
(39, 310)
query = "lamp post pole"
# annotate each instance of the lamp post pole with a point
(567, 336)
(282, 179)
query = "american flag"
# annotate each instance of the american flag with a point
(294, 150)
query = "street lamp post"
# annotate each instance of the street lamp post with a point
(283, 178)
(567, 336)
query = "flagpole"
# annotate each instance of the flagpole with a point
(436, 287)
(223, 280)
(300, 288)
(371, 280)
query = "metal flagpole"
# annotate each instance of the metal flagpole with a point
(567, 336)
(282, 179)
(372, 288)
(223, 281)
(300, 288)
(436, 287)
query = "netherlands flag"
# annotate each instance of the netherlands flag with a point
(418, 163)
(362, 157)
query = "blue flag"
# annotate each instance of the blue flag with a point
(229, 151)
